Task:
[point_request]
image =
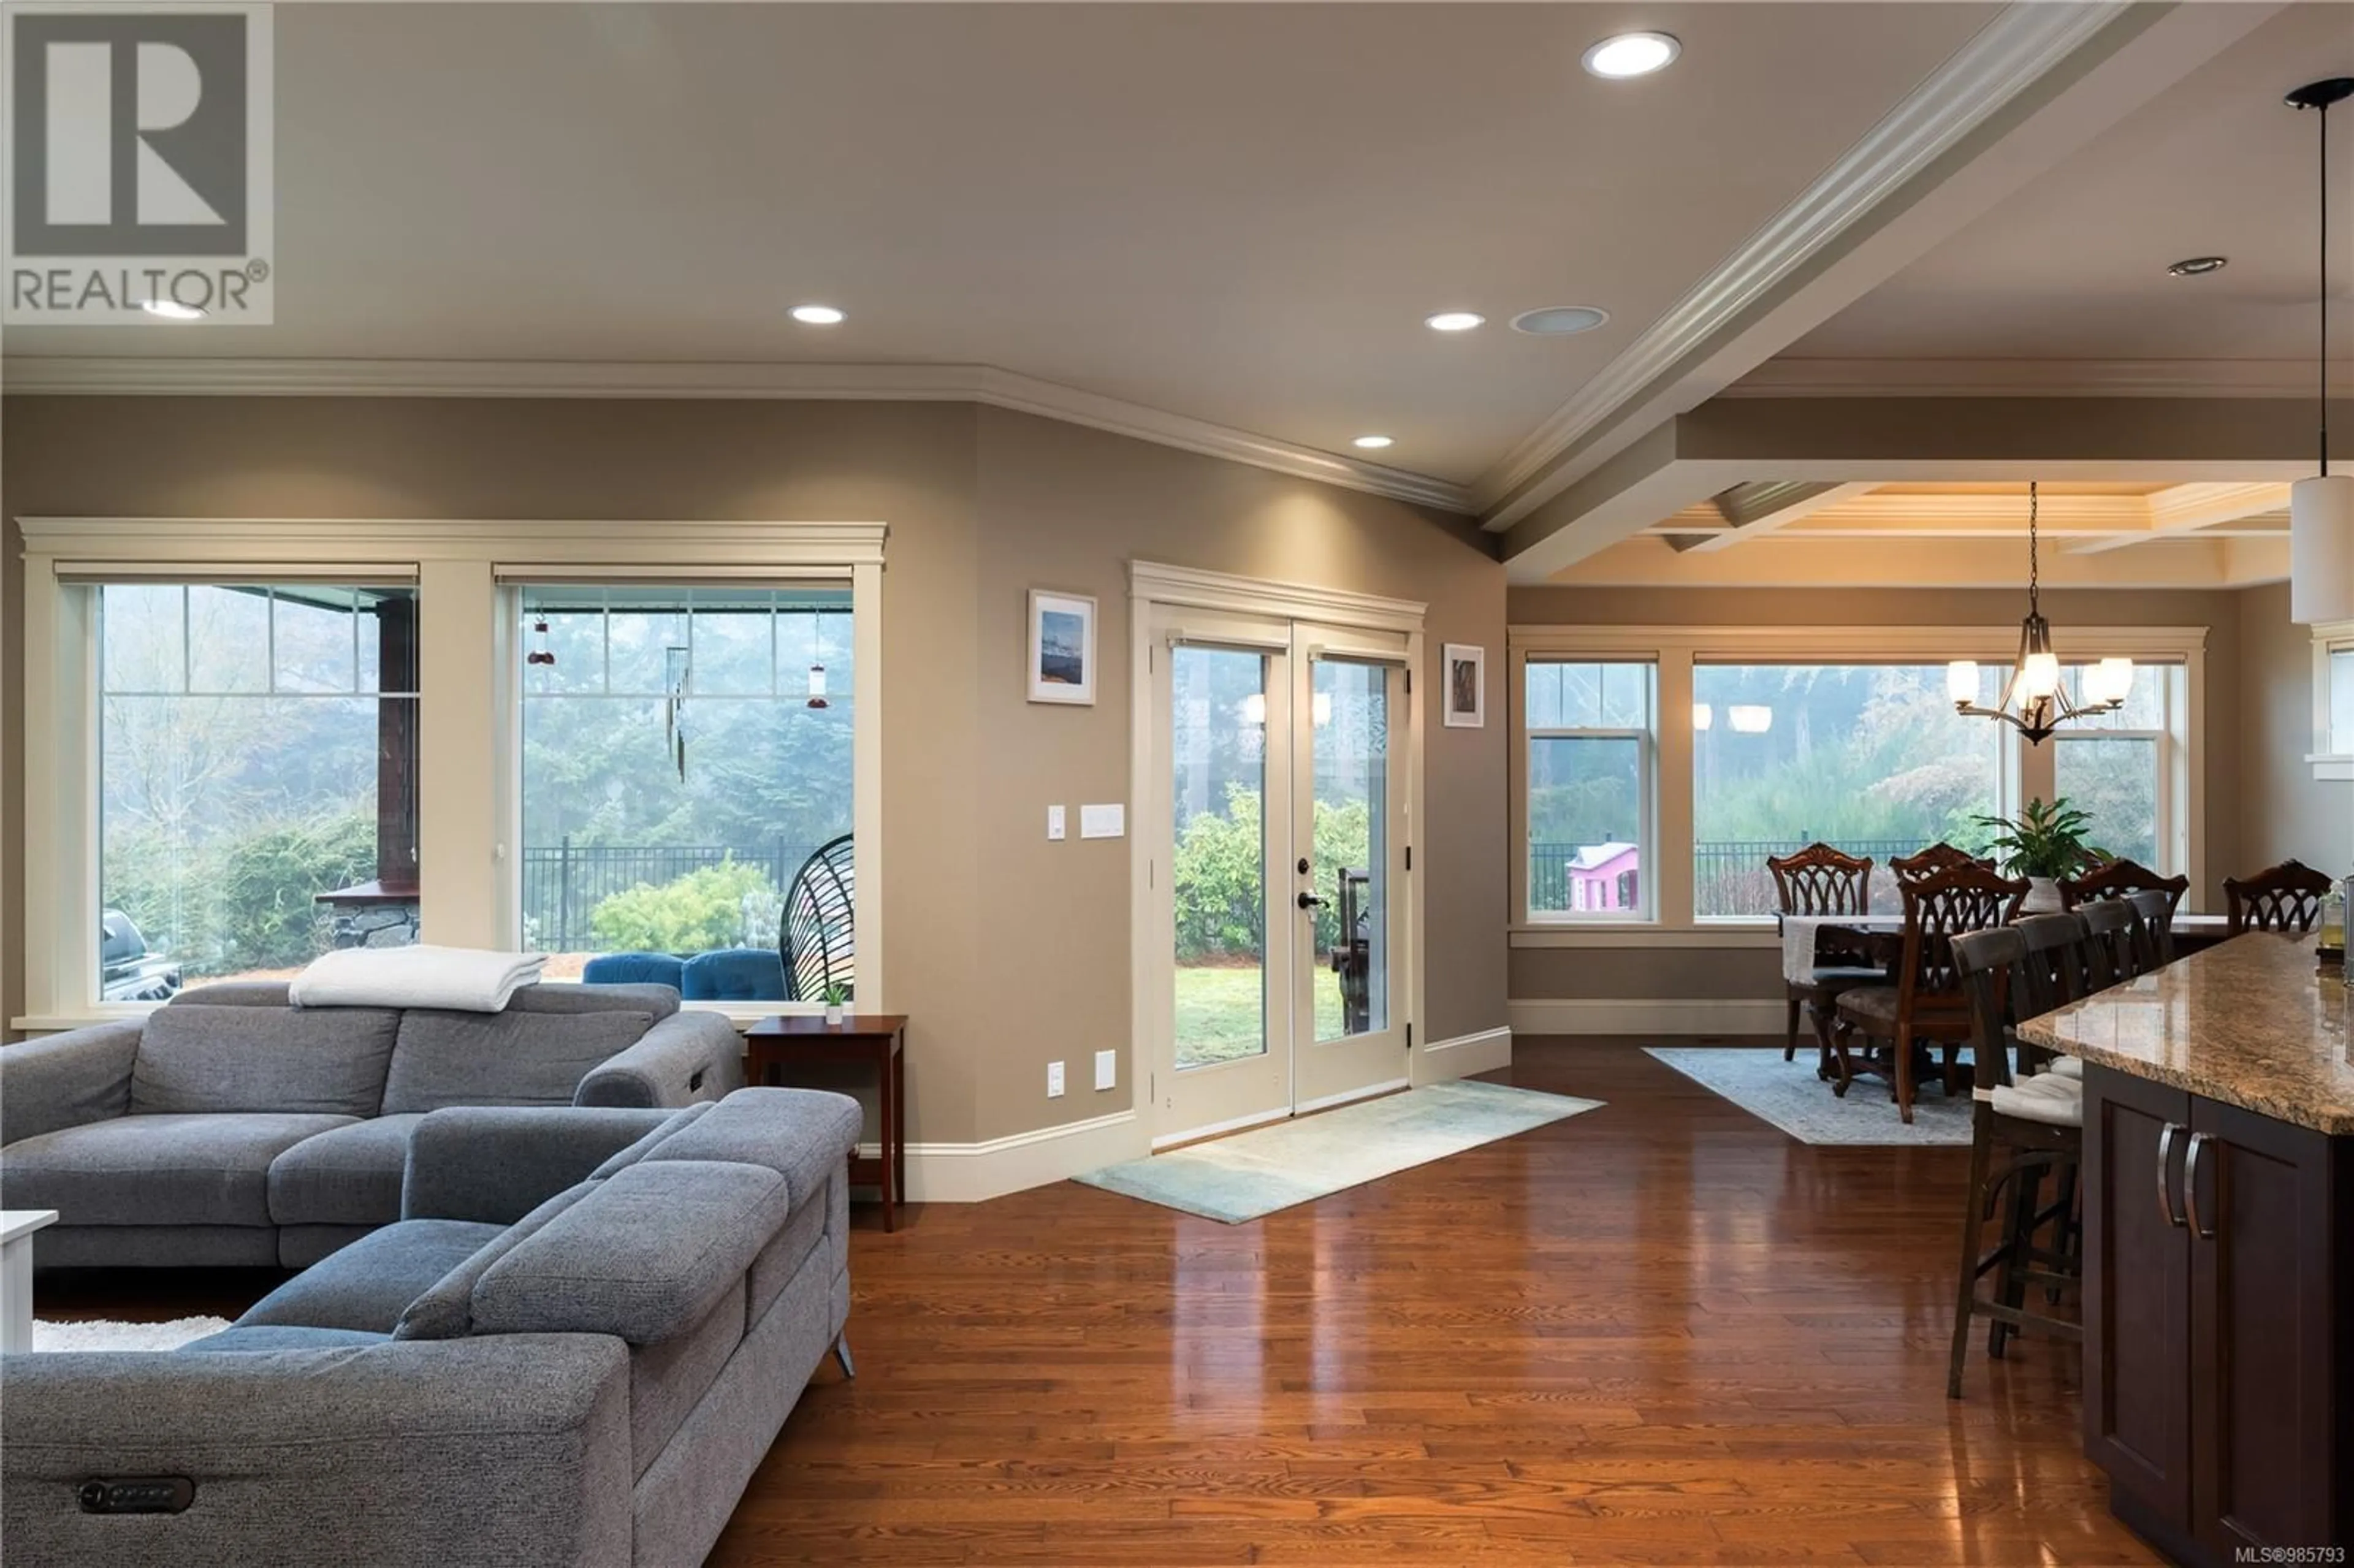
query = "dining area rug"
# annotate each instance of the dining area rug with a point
(1248, 1175)
(1789, 1095)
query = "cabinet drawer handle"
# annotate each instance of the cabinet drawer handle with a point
(2199, 1141)
(2165, 1136)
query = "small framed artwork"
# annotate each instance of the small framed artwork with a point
(1062, 648)
(1466, 687)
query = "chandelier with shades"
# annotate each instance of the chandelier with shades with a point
(2036, 701)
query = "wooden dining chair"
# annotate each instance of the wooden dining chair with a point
(1925, 1006)
(1820, 880)
(1939, 856)
(2156, 932)
(2022, 1130)
(2121, 879)
(2284, 897)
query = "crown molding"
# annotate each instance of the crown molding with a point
(2039, 378)
(2002, 60)
(221, 377)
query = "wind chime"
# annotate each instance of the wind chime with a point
(678, 675)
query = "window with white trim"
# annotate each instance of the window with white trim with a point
(2118, 768)
(1589, 727)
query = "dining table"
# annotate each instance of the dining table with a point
(1880, 937)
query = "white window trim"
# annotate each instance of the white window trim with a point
(2328, 637)
(468, 894)
(1675, 649)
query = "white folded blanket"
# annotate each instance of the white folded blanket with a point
(465, 979)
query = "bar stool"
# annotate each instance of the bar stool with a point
(2037, 1124)
(2108, 943)
(2156, 930)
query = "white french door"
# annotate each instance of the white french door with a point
(1274, 926)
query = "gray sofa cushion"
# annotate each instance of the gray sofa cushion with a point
(234, 993)
(284, 1336)
(156, 1170)
(330, 1061)
(347, 1177)
(803, 1135)
(370, 1283)
(500, 1162)
(644, 1255)
(512, 1058)
(675, 1122)
(566, 997)
(444, 1310)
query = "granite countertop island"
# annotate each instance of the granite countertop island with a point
(2248, 1022)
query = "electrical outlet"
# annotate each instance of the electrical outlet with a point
(1106, 1069)
(1053, 1080)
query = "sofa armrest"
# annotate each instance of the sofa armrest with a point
(495, 1164)
(510, 1450)
(686, 1057)
(66, 1080)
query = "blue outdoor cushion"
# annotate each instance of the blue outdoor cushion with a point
(735, 974)
(633, 969)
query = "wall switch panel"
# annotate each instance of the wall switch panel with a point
(1106, 1069)
(1053, 1080)
(1103, 822)
(1056, 823)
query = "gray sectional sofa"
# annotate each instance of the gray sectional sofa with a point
(229, 1129)
(574, 1348)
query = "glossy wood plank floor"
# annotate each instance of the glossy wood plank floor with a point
(1659, 1332)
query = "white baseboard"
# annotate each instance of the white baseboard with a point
(1463, 1055)
(1646, 1015)
(970, 1172)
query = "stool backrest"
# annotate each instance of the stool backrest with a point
(1990, 963)
(2053, 970)
(2108, 948)
(2157, 930)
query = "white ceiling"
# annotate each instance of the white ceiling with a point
(2073, 267)
(1236, 213)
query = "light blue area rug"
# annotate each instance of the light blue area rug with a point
(1252, 1174)
(1789, 1094)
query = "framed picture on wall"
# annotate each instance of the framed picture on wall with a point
(1465, 688)
(1062, 648)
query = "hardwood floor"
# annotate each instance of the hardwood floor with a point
(1660, 1333)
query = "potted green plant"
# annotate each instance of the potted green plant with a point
(836, 995)
(2042, 843)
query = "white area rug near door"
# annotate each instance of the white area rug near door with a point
(1252, 1174)
(1789, 1094)
(112, 1336)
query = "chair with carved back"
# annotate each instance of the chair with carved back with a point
(2121, 878)
(1816, 881)
(1925, 1006)
(2284, 897)
(818, 933)
(1938, 857)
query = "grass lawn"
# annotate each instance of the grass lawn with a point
(1218, 1011)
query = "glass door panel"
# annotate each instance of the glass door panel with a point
(1348, 859)
(1218, 798)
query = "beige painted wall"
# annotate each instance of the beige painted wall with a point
(1007, 951)
(2287, 813)
(1752, 973)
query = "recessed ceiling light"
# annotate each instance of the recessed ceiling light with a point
(817, 315)
(171, 310)
(1560, 320)
(1370, 443)
(1632, 54)
(2198, 266)
(1454, 320)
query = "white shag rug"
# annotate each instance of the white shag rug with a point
(110, 1336)
(1789, 1095)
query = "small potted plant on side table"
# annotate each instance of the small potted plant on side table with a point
(2043, 843)
(836, 996)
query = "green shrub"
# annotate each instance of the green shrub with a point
(692, 914)
(1216, 876)
(268, 879)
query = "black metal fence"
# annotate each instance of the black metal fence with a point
(1729, 875)
(564, 883)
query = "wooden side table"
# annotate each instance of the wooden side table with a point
(865, 1039)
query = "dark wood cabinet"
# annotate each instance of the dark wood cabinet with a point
(2219, 1371)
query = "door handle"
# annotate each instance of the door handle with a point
(1309, 901)
(2166, 1136)
(2199, 1141)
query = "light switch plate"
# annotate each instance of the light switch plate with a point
(1053, 1080)
(1106, 1069)
(1056, 828)
(1103, 822)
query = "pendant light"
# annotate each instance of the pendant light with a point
(2321, 509)
(2036, 701)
